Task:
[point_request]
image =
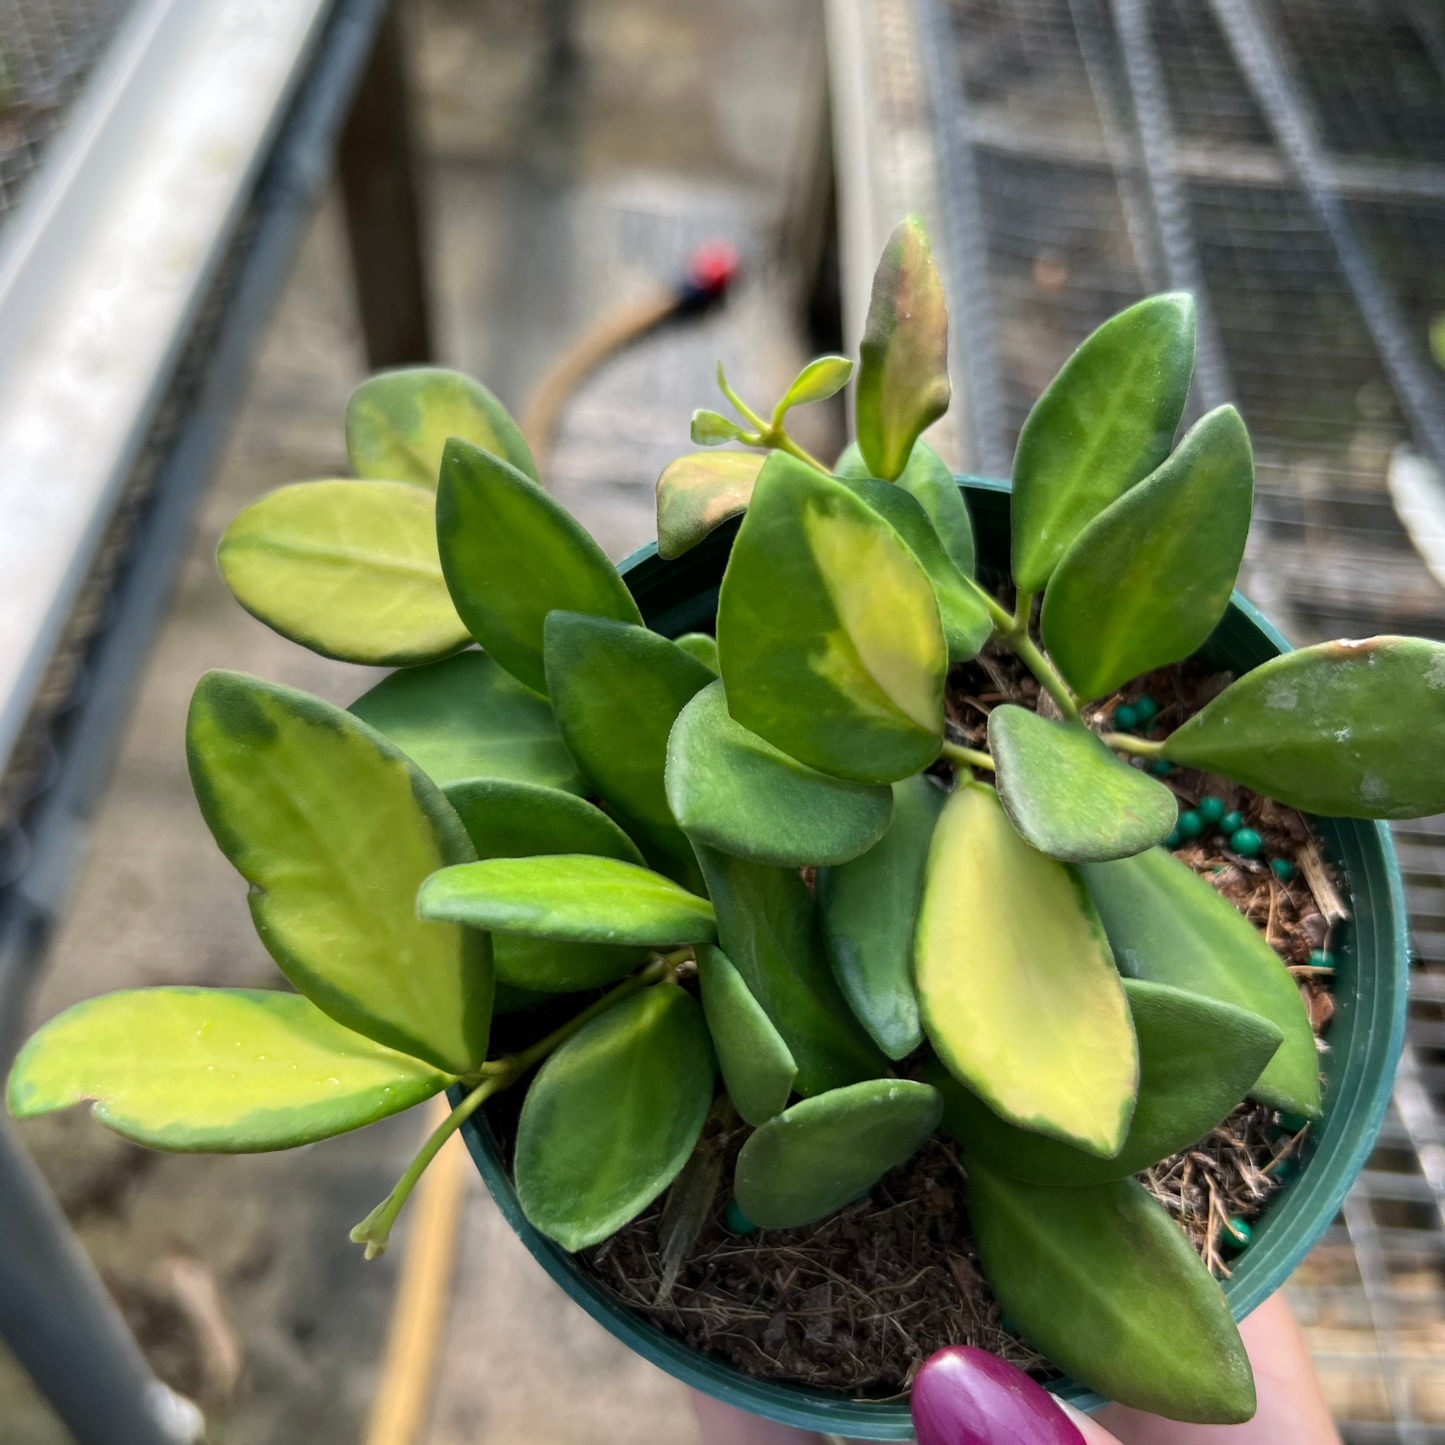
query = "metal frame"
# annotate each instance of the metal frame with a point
(134, 285)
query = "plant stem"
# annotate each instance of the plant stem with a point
(375, 1230)
(1023, 611)
(495, 1075)
(967, 756)
(742, 408)
(777, 437)
(1043, 669)
(1140, 747)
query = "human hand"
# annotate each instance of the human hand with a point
(980, 1400)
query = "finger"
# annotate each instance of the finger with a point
(964, 1396)
(1290, 1404)
(719, 1424)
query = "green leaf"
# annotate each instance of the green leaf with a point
(756, 1064)
(1167, 925)
(1068, 795)
(467, 717)
(1018, 992)
(335, 829)
(961, 606)
(397, 424)
(507, 819)
(348, 569)
(1105, 1283)
(1197, 1059)
(1146, 582)
(828, 631)
(903, 358)
(1338, 729)
(711, 429)
(927, 479)
(511, 555)
(219, 1070)
(868, 908)
(824, 1152)
(521, 820)
(1105, 422)
(731, 790)
(821, 378)
(701, 491)
(573, 897)
(613, 1115)
(617, 690)
(767, 926)
(701, 646)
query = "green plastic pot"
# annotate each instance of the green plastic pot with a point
(1371, 982)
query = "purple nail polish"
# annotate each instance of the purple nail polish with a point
(964, 1396)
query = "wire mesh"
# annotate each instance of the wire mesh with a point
(1286, 160)
(47, 49)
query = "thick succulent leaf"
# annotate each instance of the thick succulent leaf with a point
(731, 790)
(1018, 992)
(348, 569)
(828, 631)
(1146, 582)
(961, 606)
(613, 1115)
(335, 829)
(927, 479)
(1105, 422)
(617, 691)
(903, 357)
(824, 1152)
(219, 1070)
(397, 424)
(1105, 1283)
(507, 819)
(1167, 925)
(521, 820)
(1341, 728)
(511, 555)
(468, 717)
(821, 378)
(869, 907)
(1197, 1059)
(768, 927)
(701, 645)
(699, 492)
(1068, 795)
(756, 1064)
(574, 897)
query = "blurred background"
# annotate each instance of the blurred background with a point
(217, 215)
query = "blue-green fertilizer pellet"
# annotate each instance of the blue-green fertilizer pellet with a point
(1126, 718)
(1210, 808)
(1246, 842)
(1189, 824)
(737, 1221)
(1231, 823)
(1237, 1233)
(1282, 869)
(1145, 709)
(1161, 767)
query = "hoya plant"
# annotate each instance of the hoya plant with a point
(762, 854)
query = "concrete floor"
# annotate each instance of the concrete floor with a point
(561, 178)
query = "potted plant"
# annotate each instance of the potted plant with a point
(891, 853)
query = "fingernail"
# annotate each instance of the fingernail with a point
(963, 1396)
